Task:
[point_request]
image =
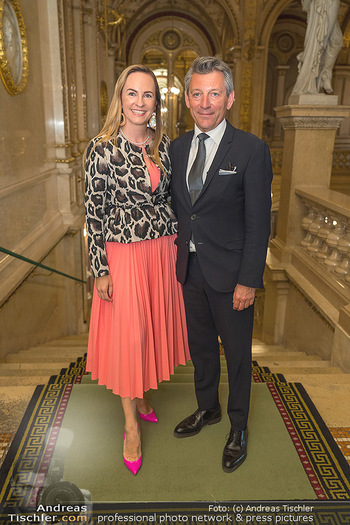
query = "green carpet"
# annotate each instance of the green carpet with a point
(177, 469)
(71, 436)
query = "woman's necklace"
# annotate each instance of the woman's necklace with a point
(132, 142)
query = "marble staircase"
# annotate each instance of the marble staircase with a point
(327, 385)
(36, 365)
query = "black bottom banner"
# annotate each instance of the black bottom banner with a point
(235, 512)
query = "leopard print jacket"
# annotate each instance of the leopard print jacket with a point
(119, 203)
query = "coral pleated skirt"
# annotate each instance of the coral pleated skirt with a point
(137, 340)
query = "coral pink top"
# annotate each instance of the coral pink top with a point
(153, 169)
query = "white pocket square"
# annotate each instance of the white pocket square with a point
(231, 171)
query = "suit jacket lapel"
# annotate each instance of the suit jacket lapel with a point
(184, 162)
(221, 153)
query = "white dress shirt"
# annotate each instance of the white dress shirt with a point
(211, 147)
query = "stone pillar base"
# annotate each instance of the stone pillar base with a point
(313, 100)
(341, 341)
(276, 292)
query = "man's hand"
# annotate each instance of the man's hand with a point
(104, 287)
(243, 297)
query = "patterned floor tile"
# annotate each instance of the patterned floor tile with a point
(5, 442)
(342, 438)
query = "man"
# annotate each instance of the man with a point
(221, 183)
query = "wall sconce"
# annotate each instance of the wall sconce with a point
(116, 20)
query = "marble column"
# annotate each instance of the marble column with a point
(92, 72)
(281, 82)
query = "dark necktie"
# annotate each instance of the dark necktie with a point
(195, 181)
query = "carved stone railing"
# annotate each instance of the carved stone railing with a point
(341, 161)
(340, 179)
(326, 232)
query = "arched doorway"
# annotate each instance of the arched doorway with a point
(168, 45)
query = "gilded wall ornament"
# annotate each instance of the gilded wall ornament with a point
(153, 40)
(248, 53)
(13, 47)
(188, 41)
(103, 100)
(171, 40)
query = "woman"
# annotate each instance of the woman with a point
(137, 328)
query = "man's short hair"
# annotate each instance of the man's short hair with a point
(204, 65)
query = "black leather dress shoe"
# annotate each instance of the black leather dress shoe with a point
(235, 451)
(193, 424)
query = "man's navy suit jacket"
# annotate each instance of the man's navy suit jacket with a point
(230, 220)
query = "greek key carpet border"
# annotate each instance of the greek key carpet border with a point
(324, 464)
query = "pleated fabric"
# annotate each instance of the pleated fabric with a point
(136, 341)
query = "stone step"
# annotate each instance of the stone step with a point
(56, 348)
(42, 350)
(262, 358)
(60, 353)
(67, 342)
(27, 369)
(38, 360)
(291, 353)
(331, 400)
(276, 348)
(13, 404)
(25, 380)
(76, 337)
(287, 363)
(320, 379)
(38, 356)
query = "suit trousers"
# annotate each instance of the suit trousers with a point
(209, 313)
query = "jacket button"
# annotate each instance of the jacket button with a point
(193, 217)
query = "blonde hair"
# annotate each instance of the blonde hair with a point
(114, 115)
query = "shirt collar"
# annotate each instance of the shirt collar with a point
(216, 134)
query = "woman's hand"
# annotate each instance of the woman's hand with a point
(104, 287)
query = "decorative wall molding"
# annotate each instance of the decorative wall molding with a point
(306, 122)
(60, 9)
(248, 53)
(28, 183)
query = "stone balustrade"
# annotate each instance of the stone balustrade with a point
(340, 168)
(340, 160)
(326, 227)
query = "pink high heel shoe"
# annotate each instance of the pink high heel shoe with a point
(151, 417)
(133, 466)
